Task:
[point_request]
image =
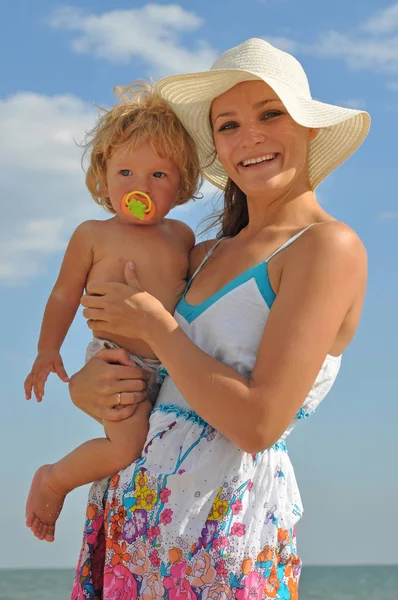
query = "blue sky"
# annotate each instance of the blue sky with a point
(57, 62)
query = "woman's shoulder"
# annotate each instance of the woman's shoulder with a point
(198, 253)
(328, 250)
(331, 238)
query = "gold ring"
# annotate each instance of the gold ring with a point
(119, 399)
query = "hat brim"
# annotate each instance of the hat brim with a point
(341, 130)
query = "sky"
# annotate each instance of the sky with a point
(58, 63)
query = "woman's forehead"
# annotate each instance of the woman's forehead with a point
(248, 92)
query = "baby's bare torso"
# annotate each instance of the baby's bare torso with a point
(160, 253)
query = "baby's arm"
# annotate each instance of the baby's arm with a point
(61, 309)
(184, 233)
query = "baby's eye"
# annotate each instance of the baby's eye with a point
(159, 174)
(125, 172)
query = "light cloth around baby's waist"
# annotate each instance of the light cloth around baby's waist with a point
(151, 365)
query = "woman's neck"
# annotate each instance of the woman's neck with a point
(283, 212)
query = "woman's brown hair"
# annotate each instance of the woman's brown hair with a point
(235, 215)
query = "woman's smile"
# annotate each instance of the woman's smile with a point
(266, 158)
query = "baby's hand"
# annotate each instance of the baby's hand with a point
(47, 362)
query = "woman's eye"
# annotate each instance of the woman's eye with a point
(228, 126)
(271, 114)
(159, 174)
(125, 172)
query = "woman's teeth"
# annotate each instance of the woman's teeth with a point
(260, 159)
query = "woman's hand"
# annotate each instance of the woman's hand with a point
(96, 387)
(122, 309)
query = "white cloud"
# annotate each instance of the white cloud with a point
(372, 46)
(385, 21)
(150, 33)
(368, 52)
(42, 183)
(391, 215)
(38, 132)
(357, 103)
(283, 43)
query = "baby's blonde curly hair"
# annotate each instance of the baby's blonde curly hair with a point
(141, 115)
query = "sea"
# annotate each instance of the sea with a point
(317, 583)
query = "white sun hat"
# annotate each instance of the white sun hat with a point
(342, 130)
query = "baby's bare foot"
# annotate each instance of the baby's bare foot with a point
(44, 504)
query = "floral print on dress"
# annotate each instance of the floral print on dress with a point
(129, 537)
(195, 517)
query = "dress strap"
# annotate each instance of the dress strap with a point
(284, 245)
(289, 242)
(207, 256)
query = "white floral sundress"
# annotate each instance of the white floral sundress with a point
(196, 518)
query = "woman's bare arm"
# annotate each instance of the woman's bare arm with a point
(323, 279)
(326, 276)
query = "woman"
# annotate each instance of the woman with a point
(209, 510)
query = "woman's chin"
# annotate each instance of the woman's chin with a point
(273, 186)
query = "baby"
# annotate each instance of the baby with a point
(137, 146)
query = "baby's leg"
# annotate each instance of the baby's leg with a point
(92, 460)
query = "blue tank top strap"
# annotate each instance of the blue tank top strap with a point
(289, 242)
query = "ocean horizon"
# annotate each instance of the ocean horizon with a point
(364, 582)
